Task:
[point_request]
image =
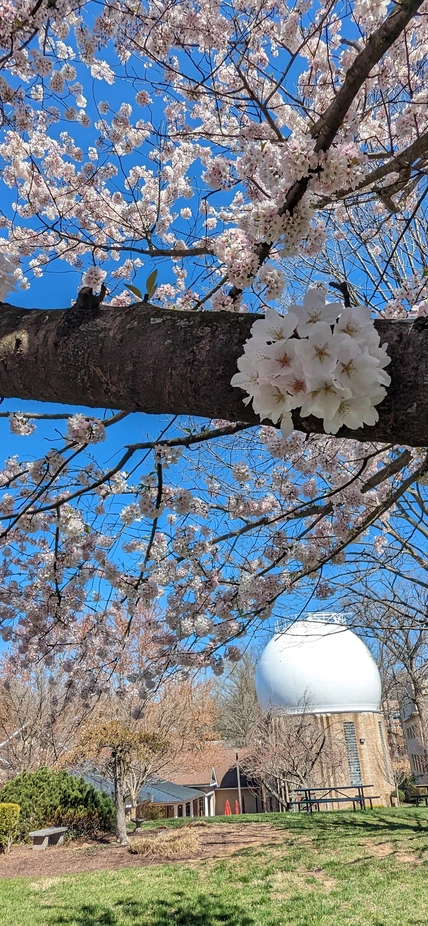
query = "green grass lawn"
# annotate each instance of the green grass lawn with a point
(332, 869)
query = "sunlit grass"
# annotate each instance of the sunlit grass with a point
(332, 869)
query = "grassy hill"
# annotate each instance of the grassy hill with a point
(330, 869)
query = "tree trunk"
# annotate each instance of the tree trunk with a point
(143, 358)
(121, 832)
(119, 802)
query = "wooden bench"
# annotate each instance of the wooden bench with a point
(52, 836)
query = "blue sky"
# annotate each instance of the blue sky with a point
(58, 289)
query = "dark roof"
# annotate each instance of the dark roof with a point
(219, 766)
(229, 778)
(166, 792)
(155, 789)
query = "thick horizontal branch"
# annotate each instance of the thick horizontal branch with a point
(143, 358)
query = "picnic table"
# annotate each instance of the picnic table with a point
(418, 798)
(313, 797)
(51, 836)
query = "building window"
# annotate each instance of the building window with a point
(352, 752)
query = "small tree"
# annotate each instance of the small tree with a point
(125, 756)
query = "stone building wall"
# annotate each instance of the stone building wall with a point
(414, 735)
(358, 745)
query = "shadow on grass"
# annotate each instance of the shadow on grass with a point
(366, 823)
(179, 910)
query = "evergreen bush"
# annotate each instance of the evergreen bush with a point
(9, 817)
(56, 798)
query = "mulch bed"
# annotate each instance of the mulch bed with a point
(217, 840)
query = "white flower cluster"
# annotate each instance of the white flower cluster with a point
(21, 425)
(322, 358)
(85, 430)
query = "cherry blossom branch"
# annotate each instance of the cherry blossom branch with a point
(142, 358)
(377, 44)
(373, 516)
(187, 441)
(190, 439)
(57, 416)
(353, 534)
(302, 511)
(327, 126)
(405, 158)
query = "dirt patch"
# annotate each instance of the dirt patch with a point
(408, 858)
(382, 849)
(216, 841)
(320, 875)
(387, 849)
(284, 883)
(44, 884)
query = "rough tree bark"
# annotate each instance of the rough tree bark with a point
(143, 358)
(119, 802)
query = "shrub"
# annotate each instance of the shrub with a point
(172, 844)
(401, 795)
(9, 816)
(49, 798)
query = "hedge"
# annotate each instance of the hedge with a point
(9, 817)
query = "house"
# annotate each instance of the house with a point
(176, 800)
(219, 778)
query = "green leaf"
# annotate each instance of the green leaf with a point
(151, 283)
(425, 272)
(134, 289)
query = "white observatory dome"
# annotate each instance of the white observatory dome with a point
(320, 667)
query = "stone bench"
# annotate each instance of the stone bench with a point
(52, 836)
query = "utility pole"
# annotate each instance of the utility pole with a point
(238, 778)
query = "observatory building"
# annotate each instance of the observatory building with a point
(318, 667)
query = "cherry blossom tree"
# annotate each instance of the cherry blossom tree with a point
(196, 169)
